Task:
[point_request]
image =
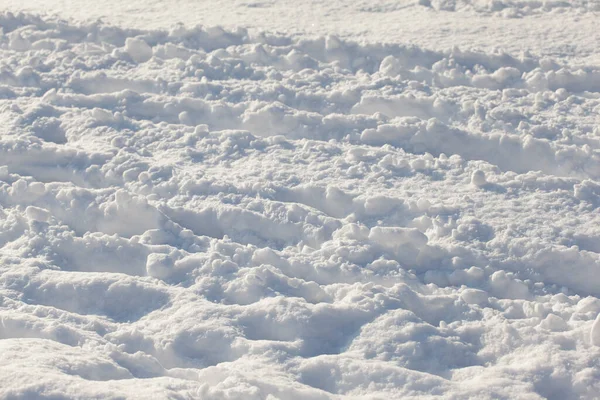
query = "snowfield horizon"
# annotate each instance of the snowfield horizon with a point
(204, 212)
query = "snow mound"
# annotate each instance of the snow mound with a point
(211, 213)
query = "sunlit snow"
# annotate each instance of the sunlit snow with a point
(248, 212)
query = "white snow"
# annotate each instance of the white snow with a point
(595, 332)
(138, 49)
(478, 178)
(332, 211)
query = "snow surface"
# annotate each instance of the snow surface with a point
(200, 212)
(565, 29)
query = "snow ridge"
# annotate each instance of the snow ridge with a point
(225, 214)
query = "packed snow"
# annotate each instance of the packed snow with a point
(229, 213)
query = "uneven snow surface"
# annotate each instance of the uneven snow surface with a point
(566, 29)
(218, 214)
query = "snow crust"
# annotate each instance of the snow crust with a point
(228, 214)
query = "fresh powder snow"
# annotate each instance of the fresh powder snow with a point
(299, 200)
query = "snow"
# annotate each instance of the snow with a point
(559, 29)
(328, 211)
(478, 178)
(138, 49)
(595, 333)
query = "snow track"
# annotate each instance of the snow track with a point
(204, 213)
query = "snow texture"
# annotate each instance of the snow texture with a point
(202, 212)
